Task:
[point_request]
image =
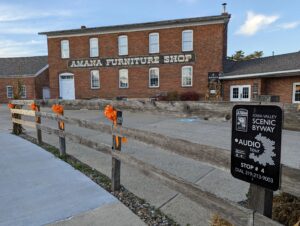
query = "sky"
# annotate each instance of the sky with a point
(255, 25)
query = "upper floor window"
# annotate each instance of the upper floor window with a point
(187, 76)
(23, 91)
(94, 48)
(154, 77)
(9, 92)
(187, 40)
(95, 79)
(123, 45)
(154, 43)
(123, 78)
(65, 50)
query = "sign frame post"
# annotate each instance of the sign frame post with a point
(256, 152)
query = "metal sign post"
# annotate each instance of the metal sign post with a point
(256, 150)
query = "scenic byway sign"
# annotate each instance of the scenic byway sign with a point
(256, 144)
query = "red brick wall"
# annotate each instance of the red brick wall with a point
(282, 87)
(227, 83)
(209, 50)
(29, 82)
(41, 81)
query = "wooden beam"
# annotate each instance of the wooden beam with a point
(23, 122)
(217, 157)
(22, 112)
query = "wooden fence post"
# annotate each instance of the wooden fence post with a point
(38, 121)
(261, 200)
(62, 139)
(116, 164)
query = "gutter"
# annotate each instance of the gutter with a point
(263, 74)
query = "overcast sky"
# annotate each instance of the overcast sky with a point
(267, 25)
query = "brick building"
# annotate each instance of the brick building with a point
(137, 60)
(30, 72)
(274, 78)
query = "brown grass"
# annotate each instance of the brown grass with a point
(218, 221)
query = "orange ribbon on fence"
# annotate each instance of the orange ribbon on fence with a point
(59, 110)
(34, 107)
(111, 114)
(11, 106)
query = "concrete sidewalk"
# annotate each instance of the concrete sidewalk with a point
(37, 188)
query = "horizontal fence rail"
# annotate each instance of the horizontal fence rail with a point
(215, 156)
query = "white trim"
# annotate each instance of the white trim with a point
(153, 34)
(149, 83)
(294, 92)
(42, 70)
(61, 48)
(67, 74)
(240, 92)
(7, 92)
(187, 31)
(259, 74)
(125, 53)
(182, 68)
(124, 69)
(158, 27)
(91, 77)
(96, 40)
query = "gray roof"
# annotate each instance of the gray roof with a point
(22, 66)
(225, 17)
(272, 64)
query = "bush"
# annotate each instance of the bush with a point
(172, 96)
(189, 96)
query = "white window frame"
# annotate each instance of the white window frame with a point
(94, 47)
(12, 92)
(65, 55)
(23, 91)
(150, 69)
(120, 73)
(294, 92)
(123, 49)
(182, 76)
(156, 44)
(98, 75)
(184, 41)
(240, 98)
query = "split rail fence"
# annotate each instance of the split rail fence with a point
(217, 157)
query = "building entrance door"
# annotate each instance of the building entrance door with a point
(240, 93)
(66, 86)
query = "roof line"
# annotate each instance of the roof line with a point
(259, 74)
(139, 26)
(42, 70)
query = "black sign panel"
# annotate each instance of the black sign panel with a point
(213, 76)
(256, 144)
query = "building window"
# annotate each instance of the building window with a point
(296, 93)
(187, 76)
(154, 43)
(95, 79)
(94, 48)
(240, 93)
(187, 40)
(65, 51)
(9, 92)
(23, 91)
(123, 78)
(154, 77)
(123, 45)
